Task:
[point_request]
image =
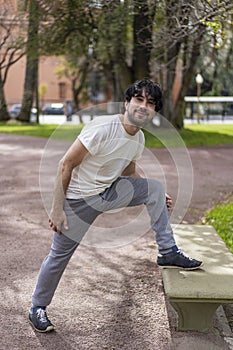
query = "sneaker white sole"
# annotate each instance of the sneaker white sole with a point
(182, 268)
(48, 329)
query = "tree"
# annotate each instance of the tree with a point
(133, 39)
(215, 60)
(184, 27)
(124, 39)
(67, 28)
(42, 90)
(68, 32)
(32, 54)
(137, 39)
(75, 70)
(184, 44)
(12, 45)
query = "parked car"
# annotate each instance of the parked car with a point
(53, 109)
(15, 109)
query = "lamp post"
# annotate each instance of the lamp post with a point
(199, 81)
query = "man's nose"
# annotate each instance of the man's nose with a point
(144, 104)
(143, 109)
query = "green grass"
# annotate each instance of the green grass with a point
(65, 132)
(207, 134)
(192, 135)
(221, 218)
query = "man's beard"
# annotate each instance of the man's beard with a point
(137, 120)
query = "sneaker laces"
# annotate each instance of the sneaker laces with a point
(41, 314)
(181, 252)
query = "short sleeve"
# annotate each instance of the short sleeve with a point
(92, 137)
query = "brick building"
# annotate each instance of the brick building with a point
(57, 89)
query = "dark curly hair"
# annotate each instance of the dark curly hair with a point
(150, 87)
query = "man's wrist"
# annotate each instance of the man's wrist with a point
(57, 209)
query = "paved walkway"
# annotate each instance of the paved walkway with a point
(108, 298)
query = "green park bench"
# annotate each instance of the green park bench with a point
(196, 295)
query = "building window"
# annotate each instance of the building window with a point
(62, 90)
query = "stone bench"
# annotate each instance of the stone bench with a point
(196, 295)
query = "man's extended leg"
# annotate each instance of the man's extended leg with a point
(128, 191)
(55, 263)
(52, 269)
(49, 276)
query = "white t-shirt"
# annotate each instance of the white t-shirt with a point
(111, 149)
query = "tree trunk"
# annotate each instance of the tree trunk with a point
(29, 90)
(4, 115)
(188, 75)
(124, 79)
(171, 56)
(142, 41)
(30, 83)
(125, 74)
(76, 90)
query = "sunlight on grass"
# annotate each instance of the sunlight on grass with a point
(226, 129)
(221, 218)
(207, 134)
(61, 132)
(192, 135)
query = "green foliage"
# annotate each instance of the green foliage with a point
(215, 61)
(221, 218)
(123, 39)
(67, 27)
(131, 39)
(114, 33)
(42, 90)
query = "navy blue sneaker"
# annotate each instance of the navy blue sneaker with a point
(178, 260)
(39, 320)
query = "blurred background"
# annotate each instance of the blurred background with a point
(58, 57)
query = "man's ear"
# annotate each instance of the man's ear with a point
(126, 104)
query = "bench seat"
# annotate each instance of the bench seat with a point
(196, 295)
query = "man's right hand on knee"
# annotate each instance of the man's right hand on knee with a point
(56, 219)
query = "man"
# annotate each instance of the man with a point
(97, 174)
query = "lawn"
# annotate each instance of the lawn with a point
(191, 135)
(65, 132)
(207, 134)
(221, 218)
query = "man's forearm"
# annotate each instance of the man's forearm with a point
(61, 184)
(71, 160)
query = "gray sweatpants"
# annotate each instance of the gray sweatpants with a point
(124, 192)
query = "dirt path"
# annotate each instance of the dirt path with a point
(108, 298)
